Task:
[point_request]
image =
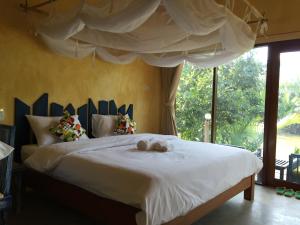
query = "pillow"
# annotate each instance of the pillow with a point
(103, 125)
(5, 150)
(40, 126)
(125, 125)
(68, 128)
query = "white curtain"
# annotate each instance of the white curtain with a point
(162, 32)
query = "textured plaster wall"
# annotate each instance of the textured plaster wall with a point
(283, 19)
(28, 69)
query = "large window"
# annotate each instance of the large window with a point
(231, 101)
(241, 100)
(239, 105)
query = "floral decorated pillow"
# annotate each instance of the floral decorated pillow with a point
(68, 128)
(125, 125)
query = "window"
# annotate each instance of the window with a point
(241, 100)
(239, 103)
(231, 101)
(193, 102)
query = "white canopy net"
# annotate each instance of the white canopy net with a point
(162, 32)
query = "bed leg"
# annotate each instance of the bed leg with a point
(249, 192)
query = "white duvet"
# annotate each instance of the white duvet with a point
(163, 185)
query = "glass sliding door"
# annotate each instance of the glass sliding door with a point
(282, 121)
(287, 164)
(241, 101)
(194, 103)
(252, 102)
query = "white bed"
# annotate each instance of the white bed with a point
(163, 185)
(28, 150)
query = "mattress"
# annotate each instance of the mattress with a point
(163, 185)
(28, 150)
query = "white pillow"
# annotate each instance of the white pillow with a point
(5, 150)
(103, 125)
(41, 125)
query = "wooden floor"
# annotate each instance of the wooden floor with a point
(267, 209)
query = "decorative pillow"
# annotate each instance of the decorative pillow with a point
(68, 128)
(40, 126)
(103, 125)
(125, 125)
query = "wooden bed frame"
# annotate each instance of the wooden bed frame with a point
(111, 212)
(106, 211)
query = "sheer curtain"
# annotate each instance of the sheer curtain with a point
(170, 78)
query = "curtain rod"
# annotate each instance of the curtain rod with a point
(26, 7)
(254, 10)
(260, 17)
(261, 20)
(35, 7)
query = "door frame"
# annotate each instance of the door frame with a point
(271, 110)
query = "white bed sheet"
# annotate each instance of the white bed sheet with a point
(163, 185)
(28, 150)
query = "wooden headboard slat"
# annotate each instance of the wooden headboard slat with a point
(56, 109)
(82, 112)
(103, 107)
(91, 110)
(130, 111)
(40, 106)
(22, 127)
(70, 109)
(112, 108)
(122, 110)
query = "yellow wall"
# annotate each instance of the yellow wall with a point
(283, 19)
(28, 69)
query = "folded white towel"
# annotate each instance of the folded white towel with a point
(162, 146)
(143, 145)
(154, 145)
(158, 146)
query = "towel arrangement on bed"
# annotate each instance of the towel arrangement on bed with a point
(154, 145)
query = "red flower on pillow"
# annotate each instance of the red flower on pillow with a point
(77, 126)
(70, 120)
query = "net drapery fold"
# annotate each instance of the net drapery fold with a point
(162, 32)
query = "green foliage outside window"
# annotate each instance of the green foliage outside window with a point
(193, 100)
(240, 102)
(297, 151)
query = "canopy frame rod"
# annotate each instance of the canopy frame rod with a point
(35, 7)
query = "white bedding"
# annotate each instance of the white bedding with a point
(28, 150)
(163, 185)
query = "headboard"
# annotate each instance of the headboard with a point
(41, 108)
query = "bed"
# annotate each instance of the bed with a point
(117, 184)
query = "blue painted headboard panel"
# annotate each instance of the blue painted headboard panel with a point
(40, 108)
